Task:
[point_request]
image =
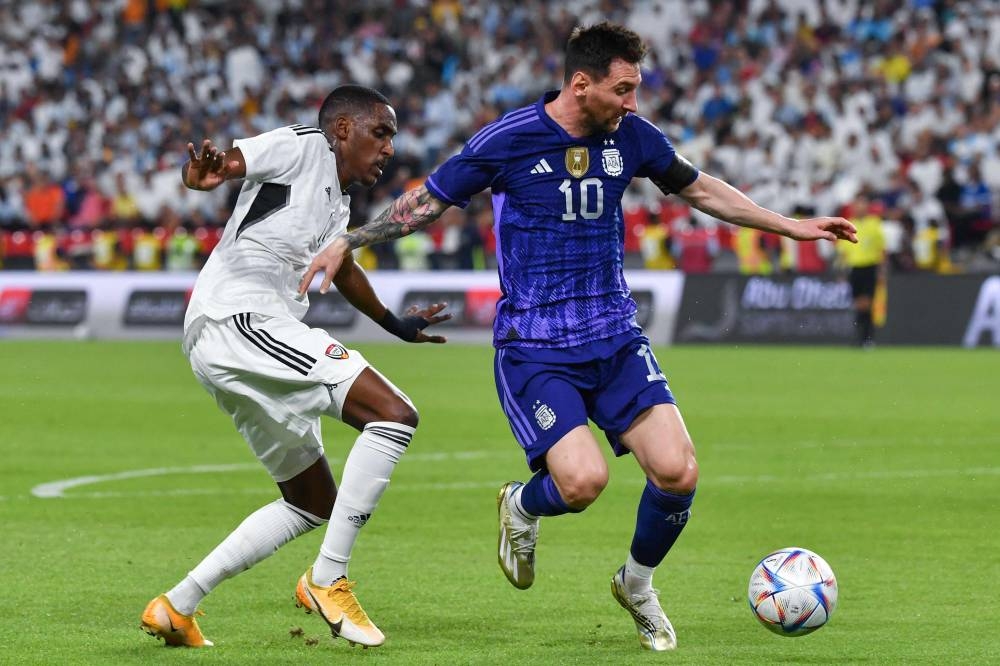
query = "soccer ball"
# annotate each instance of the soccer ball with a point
(792, 592)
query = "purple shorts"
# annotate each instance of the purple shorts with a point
(545, 393)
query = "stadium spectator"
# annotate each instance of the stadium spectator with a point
(275, 376)
(44, 201)
(147, 247)
(901, 253)
(930, 247)
(12, 211)
(107, 252)
(752, 252)
(124, 208)
(923, 209)
(695, 245)
(413, 252)
(568, 347)
(654, 241)
(115, 84)
(975, 205)
(181, 247)
(47, 253)
(92, 206)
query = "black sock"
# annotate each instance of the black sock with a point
(865, 328)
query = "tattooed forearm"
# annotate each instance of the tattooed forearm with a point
(410, 212)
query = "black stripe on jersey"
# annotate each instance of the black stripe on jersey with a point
(243, 324)
(271, 197)
(312, 131)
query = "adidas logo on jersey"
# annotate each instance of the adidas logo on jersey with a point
(542, 167)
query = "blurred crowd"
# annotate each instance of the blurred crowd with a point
(888, 108)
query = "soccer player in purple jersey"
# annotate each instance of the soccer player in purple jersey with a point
(568, 348)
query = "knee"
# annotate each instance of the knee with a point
(679, 476)
(580, 490)
(400, 411)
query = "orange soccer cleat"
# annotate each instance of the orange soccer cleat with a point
(338, 606)
(162, 620)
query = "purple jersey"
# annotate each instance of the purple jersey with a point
(558, 221)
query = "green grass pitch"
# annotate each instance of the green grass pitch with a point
(885, 463)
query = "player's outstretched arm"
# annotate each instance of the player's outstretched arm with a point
(212, 167)
(723, 201)
(353, 284)
(409, 212)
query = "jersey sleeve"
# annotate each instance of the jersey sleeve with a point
(272, 157)
(659, 157)
(464, 175)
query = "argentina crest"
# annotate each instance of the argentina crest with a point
(577, 161)
(611, 160)
(544, 415)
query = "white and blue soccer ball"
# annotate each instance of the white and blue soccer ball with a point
(792, 592)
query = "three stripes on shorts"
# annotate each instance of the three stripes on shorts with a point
(297, 360)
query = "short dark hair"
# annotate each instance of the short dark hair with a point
(591, 50)
(351, 100)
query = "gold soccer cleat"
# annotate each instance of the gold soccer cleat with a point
(338, 606)
(516, 541)
(162, 620)
(655, 631)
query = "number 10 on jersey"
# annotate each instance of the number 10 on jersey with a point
(591, 199)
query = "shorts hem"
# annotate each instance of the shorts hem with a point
(306, 465)
(641, 405)
(535, 454)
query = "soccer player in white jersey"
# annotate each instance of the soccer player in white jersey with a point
(275, 376)
(568, 347)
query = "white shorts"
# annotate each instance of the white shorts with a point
(275, 377)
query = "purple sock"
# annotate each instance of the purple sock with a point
(659, 521)
(540, 497)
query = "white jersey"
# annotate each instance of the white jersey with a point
(289, 209)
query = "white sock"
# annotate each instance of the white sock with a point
(517, 509)
(366, 476)
(638, 578)
(257, 537)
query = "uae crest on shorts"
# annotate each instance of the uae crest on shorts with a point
(336, 352)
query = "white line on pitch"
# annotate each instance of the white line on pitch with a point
(58, 488)
(265, 490)
(55, 489)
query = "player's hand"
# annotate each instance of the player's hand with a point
(328, 262)
(824, 228)
(207, 170)
(431, 316)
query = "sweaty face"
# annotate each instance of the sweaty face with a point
(367, 147)
(608, 100)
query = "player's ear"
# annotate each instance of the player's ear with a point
(342, 127)
(579, 83)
